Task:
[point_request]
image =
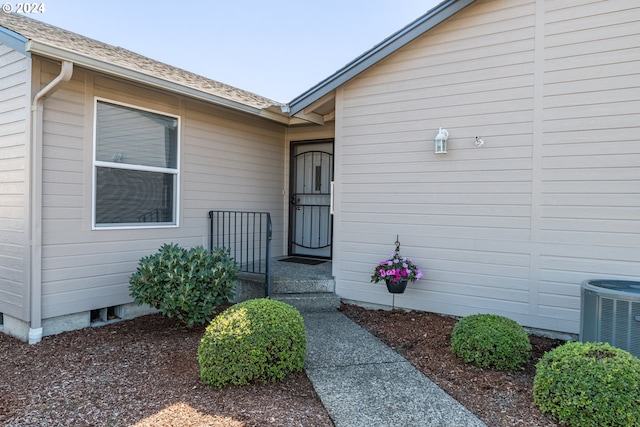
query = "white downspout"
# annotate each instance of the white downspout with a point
(35, 240)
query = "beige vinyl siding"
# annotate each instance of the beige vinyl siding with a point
(550, 200)
(590, 181)
(464, 216)
(228, 161)
(14, 245)
(232, 163)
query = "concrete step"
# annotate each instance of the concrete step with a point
(306, 294)
(299, 286)
(318, 302)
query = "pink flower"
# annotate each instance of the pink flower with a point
(396, 268)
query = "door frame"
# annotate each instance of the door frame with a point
(291, 206)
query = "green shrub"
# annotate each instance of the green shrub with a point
(258, 340)
(589, 384)
(185, 284)
(491, 341)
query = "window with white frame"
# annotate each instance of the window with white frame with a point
(135, 167)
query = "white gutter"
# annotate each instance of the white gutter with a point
(35, 241)
(94, 64)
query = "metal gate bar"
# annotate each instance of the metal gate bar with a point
(247, 236)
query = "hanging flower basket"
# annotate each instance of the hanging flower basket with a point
(396, 271)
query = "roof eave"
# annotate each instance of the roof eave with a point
(13, 40)
(443, 11)
(54, 52)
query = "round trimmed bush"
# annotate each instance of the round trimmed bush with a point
(258, 340)
(589, 384)
(491, 341)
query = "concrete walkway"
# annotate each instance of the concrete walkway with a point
(363, 383)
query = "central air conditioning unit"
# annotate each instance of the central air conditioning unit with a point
(611, 313)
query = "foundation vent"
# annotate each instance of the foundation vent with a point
(100, 316)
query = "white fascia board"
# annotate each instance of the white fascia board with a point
(443, 11)
(94, 64)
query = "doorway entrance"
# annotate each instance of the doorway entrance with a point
(310, 219)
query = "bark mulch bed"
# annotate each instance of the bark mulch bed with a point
(144, 372)
(500, 399)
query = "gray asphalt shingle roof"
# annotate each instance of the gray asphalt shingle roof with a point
(63, 39)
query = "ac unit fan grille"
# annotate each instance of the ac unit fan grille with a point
(619, 325)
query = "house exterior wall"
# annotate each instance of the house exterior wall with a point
(229, 161)
(552, 197)
(14, 159)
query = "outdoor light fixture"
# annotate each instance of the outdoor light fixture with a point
(441, 141)
(479, 141)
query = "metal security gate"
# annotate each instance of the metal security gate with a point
(311, 222)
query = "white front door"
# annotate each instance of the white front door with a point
(311, 230)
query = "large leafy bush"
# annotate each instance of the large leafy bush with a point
(258, 340)
(589, 385)
(187, 284)
(491, 341)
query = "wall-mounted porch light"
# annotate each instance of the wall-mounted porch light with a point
(441, 141)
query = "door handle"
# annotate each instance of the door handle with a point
(331, 198)
(294, 201)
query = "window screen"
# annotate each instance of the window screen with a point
(136, 167)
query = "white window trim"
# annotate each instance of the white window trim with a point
(98, 163)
